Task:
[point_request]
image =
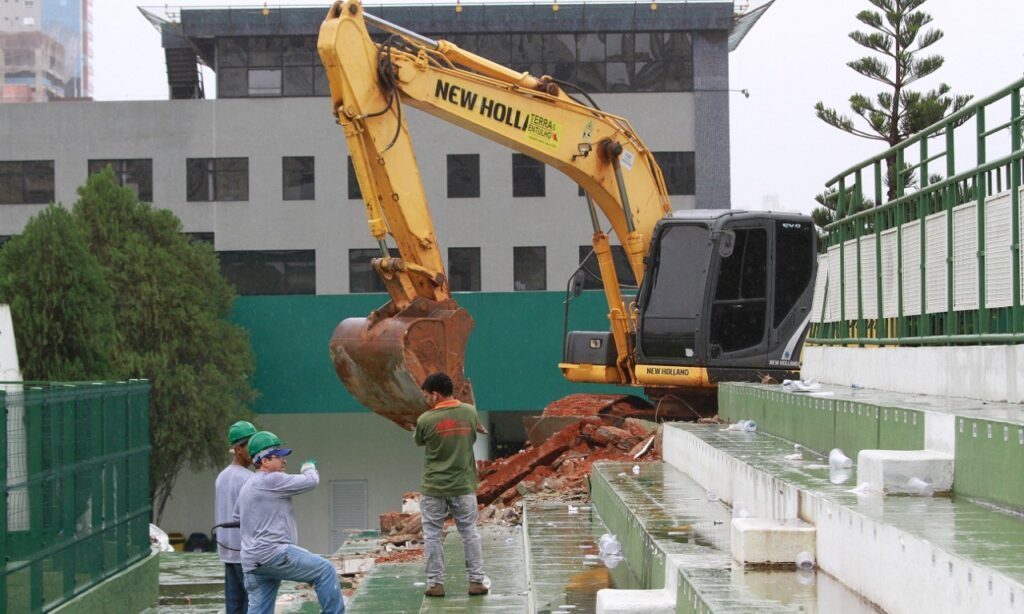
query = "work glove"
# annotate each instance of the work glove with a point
(306, 466)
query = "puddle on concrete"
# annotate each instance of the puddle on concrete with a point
(566, 572)
(812, 591)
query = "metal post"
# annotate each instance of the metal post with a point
(34, 450)
(882, 323)
(981, 317)
(922, 212)
(5, 547)
(901, 318)
(66, 471)
(858, 199)
(1015, 147)
(840, 214)
(950, 198)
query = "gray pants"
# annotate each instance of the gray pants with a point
(433, 511)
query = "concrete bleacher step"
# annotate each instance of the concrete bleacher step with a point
(905, 554)
(985, 438)
(561, 549)
(675, 536)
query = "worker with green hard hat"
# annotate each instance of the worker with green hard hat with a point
(229, 484)
(269, 550)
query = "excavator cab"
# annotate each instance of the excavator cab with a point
(726, 296)
(730, 291)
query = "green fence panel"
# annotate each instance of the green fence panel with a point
(993, 124)
(76, 488)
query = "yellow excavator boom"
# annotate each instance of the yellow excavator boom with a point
(381, 359)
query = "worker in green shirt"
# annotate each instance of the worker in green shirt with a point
(447, 431)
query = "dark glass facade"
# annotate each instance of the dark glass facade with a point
(596, 62)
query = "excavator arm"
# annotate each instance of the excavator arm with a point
(381, 359)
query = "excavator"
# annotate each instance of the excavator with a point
(724, 295)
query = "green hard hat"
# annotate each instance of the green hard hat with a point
(239, 431)
(261, 441)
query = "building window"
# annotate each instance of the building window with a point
(529, 266)
(27, 182)
(264, 82)
(463, 175)
(134, 174)
(678, 169)
(261, 66)
(361, 276)
(298, 178)
(270, 272)
(588, 260)
(464, 269)
(220, 179)
(201, 237)
(527, 176)
(354, 193)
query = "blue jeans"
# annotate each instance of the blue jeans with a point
(299, 565)
(433, 511)
(235, 599)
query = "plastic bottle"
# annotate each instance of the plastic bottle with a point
(917, 486)
(838, 460)
(805, 560)
(486, 582)
(609, 545)
(749, 426)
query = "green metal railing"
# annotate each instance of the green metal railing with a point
(904, 226)
(75, 505)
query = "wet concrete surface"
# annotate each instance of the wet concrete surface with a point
(690, 524)
(398, 589)
(983, 534)
(957, 406)
(193, 583)
(565, 571)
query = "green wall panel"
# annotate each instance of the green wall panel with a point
(816, 422)
(512, 357)
(856, 427)
(989, 456)
(900, 429)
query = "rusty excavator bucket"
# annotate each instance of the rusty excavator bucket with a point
(384, 358)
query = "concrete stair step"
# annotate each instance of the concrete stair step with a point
(675, 536)
(905, 554)
(561, 543)
(984, 437)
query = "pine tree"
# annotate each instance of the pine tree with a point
(896, 33)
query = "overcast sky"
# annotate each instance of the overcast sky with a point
(795, 56)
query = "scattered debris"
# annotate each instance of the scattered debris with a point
(560, 465)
